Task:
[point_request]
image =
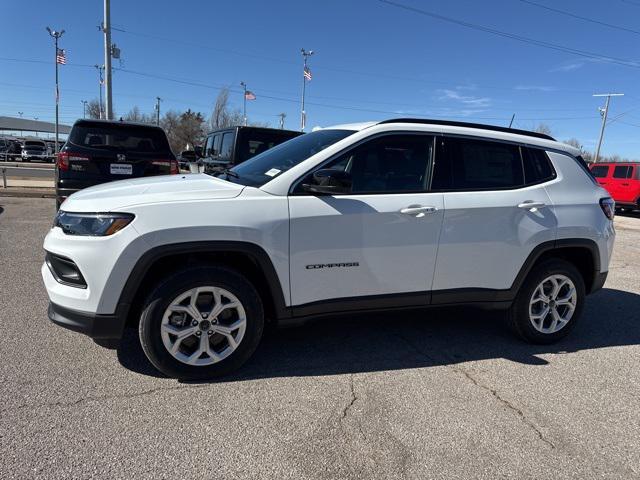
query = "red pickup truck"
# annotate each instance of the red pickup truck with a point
(622, 181)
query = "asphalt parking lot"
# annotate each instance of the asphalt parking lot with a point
(437, 394)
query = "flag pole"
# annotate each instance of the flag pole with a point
(56, 35)
(244, 103)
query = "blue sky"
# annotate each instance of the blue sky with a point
(372, 61)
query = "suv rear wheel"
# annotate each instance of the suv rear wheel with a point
(201, 323)
(549, 302)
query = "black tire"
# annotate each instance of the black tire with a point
(162, 296)
(518, 314)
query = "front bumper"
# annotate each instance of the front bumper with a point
(97, 326)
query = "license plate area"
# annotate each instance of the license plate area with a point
(121, 169)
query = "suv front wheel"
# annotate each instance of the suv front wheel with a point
(549, 302)
(201, 323)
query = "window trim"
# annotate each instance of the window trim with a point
(295, 184)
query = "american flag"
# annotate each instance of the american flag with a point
(249, 95)
(61, 58)
(307, 73)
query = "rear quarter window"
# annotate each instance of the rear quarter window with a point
(622, 171)
(537, 166)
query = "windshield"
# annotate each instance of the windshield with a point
(266, 166)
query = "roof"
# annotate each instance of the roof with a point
(464, 128)
(93, 121)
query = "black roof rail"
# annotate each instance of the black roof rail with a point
(451, 123)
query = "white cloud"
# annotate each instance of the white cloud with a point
(476, 102)
(536, 88)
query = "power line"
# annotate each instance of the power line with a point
(512, 36)
(580, 17)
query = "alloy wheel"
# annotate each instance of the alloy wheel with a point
(552, 304)
(203, 325)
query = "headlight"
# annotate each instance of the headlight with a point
(92, 224)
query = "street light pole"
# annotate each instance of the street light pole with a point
(604, 112)
(56, 35)
(84, 108)
(158, 100)
(303, 115)
(282, 116)
(100, 69)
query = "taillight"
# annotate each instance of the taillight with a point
(65, 157)
(171, 164)
(608, 207)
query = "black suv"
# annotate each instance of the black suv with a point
(231, 146)
(99, 151)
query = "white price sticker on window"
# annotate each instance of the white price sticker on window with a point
(273, 172)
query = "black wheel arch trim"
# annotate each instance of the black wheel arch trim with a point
(252, 250)
(558, 245)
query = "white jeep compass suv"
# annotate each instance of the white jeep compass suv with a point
(394, 214)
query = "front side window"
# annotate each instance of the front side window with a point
(208, 147)
(600, 171)
(622, 171)
(388, 164)
(469, 164)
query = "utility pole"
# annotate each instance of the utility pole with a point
(306, 75)
(106, 28)
(158, 100)
(100, 69)
(84, 108)
(282, 117)
(56, 36)
(604, 111)
(244, 103)
(20, 113)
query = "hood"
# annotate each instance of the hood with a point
(114, 196)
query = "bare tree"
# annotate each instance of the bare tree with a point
(135, 115)
(543, 128)
(93, 108)
(222, 116)
(183, 130)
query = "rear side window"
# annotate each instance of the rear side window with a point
(537, 166)
(600, 171)
(469, 164)
(622, 171)
(116, 137)
(227, 146)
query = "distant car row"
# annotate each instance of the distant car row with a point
(26, 150)
(99, 151)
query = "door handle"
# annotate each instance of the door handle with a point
(530, 205)
(625, 184)
(418, 210)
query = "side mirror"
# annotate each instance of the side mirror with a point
(328, 181)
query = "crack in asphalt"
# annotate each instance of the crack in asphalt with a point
(98, 398)
(349, 405)
(523, 418)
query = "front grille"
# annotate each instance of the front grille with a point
(65, 271)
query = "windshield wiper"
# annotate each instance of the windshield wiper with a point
(229, 173)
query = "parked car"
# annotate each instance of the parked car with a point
(621, 180)
(99, 151)
(402, 213)
(232, 146)
(34, 150)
